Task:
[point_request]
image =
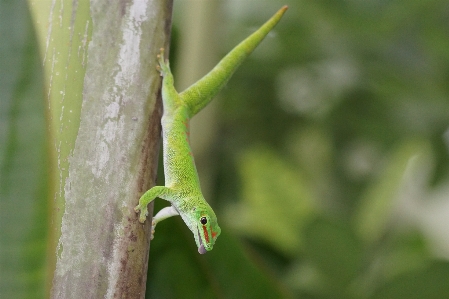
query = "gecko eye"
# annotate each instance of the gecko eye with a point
(203, 220)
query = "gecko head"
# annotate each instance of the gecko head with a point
(206, 229)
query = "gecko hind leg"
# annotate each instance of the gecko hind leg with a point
(161, 215)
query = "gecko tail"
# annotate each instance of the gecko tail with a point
(198, 95)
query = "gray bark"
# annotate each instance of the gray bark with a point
(103, 249)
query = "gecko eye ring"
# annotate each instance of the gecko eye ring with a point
(203, 220)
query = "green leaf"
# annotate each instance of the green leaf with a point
(277, 202)
(376, 206)
(429, 282)
(23, 158)
(335, 252)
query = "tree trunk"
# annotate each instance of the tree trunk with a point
(103, 250)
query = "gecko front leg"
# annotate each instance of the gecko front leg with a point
(149, 196)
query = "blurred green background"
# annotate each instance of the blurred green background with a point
(325, 157)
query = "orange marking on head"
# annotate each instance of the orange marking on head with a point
(206, 234)
(214, 235)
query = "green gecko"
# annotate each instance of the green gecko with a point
(182, 185)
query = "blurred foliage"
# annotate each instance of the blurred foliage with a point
(333, 139)
(23, 158)
(331, 159)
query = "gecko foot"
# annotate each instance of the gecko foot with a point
(143, 213)
(164, 66)
(153, 226)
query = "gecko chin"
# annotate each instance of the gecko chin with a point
(201, 248)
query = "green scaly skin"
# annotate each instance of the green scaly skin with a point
(182, 185)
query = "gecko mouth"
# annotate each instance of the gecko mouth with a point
(201, 249)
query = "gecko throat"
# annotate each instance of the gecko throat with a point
(201, 249)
